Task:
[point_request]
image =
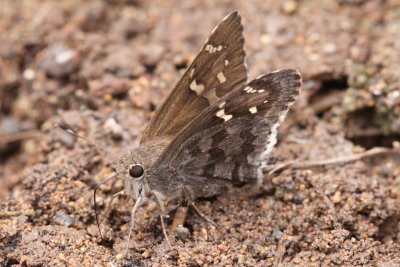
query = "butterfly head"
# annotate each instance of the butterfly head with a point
(132, 168)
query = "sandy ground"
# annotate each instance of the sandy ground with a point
(103, 67)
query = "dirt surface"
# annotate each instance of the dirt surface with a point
(103, 67)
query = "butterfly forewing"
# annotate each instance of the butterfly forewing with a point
(218, 69)
(229, 139)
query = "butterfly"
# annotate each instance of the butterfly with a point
(214, 129)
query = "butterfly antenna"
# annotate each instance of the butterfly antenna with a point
(71, 132)
(95, 202)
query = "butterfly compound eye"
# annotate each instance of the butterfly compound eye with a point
(136, 171)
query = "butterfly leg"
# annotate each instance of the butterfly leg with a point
(165, 231)
(198, 211)
(162, 209)
(202, 215)
(138, 203)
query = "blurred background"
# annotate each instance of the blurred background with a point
(103, 67)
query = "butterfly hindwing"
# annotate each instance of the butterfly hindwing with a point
(218, 69)
(227, 151)
(230, 139)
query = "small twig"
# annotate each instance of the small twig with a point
(9, 138)
(317, 163)
(180, 217)
(357, 133)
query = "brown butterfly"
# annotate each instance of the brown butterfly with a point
(214, 129)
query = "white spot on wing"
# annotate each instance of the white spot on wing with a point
(221, 114)
(209, 48)
(212, 49)
(198, 88)
(222, 104)
(221, 77)
(211, 95)
(226, 62)
(247, 89)
(253, 110)
(192, 85)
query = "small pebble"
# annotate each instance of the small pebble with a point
(23, 259)
(112, 126)
(63, 219)
(223, 248)
(204, 233)
(330, 48)
(289, 7)
(79, 243)
(182, 232)
(297, 260)
(146, 254)
(108, 97)
(29, 74)
(277, 234)
(22, 219)
(58, 61)
(337, 197)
